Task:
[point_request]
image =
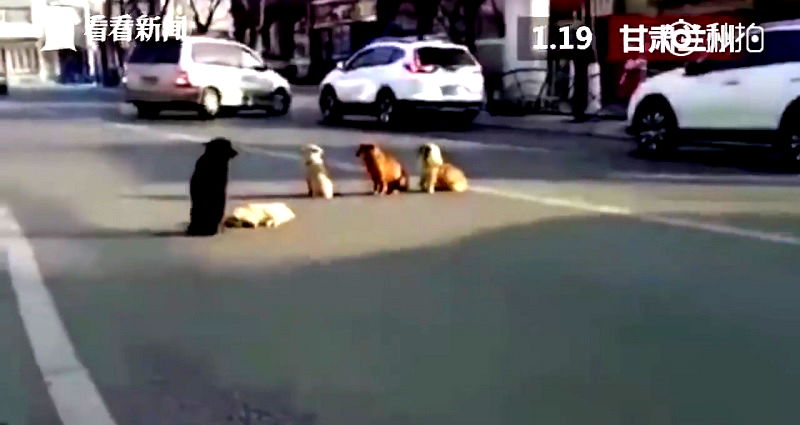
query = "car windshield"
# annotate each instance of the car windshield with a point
(445, 57)
(156, 52)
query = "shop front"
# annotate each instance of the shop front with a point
(338, 29)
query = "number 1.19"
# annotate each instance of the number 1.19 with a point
(583, 34)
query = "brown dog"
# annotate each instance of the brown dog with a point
(385, 170)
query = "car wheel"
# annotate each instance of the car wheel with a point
(329, 106)
(280, 102)
(147, 111)
(388, 109)
(209, 103)
(3, 89)
(790, 136)
(655, 127)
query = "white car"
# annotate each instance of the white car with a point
(203, 74)
(389, 78)
(757, 94)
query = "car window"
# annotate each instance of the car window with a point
(217, 54)
(249, 60)
(779, 47)
(361, 60)
(382, 56)
(156, 52)
(397, 54)
(446, 57)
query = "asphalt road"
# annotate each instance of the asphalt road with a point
(575, 284)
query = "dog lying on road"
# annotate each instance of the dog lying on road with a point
(386, 172)
(438, 174)
(260, 215)
(317, 177)
(208, 186)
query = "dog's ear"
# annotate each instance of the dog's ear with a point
(363, 149)
(424, 151)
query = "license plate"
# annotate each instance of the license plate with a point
(449, 90)
(150, 80)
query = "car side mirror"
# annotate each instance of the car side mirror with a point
(340, 65)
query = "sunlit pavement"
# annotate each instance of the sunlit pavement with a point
(576, 284)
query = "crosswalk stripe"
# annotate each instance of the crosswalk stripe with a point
(74, 394)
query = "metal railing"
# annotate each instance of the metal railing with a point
(552, 96)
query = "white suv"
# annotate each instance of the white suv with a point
(203, 74)
(388, 78)
(758, 94)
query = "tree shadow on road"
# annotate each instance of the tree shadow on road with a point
(574, 320)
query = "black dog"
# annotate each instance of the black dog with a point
(208, 186)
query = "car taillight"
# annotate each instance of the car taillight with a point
(416, 67)
(182, 80)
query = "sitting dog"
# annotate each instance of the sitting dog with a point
(438, 174)
(208, 188)
(260, 215)
(386, 172)
(317, 177)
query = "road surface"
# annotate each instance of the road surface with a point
(575, 284)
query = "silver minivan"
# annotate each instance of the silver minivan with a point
(203, 74)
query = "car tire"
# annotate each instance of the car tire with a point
(147, 111)
(789, 145)
(329, 106)
(655, 127)
(210, 104)
(388, 110)
(281, 101)
(3, 89)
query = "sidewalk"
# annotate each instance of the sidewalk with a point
(596, 127)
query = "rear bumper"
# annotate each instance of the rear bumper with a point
(442, 105)
(187, 95)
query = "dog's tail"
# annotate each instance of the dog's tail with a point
(404, 182)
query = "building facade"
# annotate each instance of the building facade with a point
(21, 38)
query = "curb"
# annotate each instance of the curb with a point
(616, 134)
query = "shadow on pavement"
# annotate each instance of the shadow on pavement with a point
(577, 320)
(754, 159)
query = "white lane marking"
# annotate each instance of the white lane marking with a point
(398, 141)
(719, 178)
(341, 165)
(572, 204)
(126, 126)
(250, 188)
(77, 400)
(555, 202)
(722, 229)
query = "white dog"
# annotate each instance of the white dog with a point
(317, 178)
(260, 215)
